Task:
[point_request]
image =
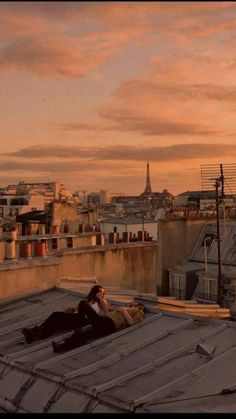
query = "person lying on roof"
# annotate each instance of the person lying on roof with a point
(69, 319)
(114, 320)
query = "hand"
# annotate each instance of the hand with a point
(71, 309)
(100, 295)
(121, 309)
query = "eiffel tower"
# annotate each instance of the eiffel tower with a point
(148, 189)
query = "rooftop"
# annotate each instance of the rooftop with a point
(127, 220)
(168, 363)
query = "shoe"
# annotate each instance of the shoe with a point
(28, 334)
(58, 346)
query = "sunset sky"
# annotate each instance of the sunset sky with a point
(92, 91)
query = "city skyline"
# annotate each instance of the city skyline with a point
(92, 91)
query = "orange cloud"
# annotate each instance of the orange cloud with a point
(123, 153)
(49, 57)
(13, 25)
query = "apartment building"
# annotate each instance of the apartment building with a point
(13, 205)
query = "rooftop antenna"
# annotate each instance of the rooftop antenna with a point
(218, 173)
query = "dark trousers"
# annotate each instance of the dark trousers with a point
(60, 321)
(101, 326)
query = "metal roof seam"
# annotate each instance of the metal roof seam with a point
(121, 379)
(214, 332)
(28, 350)
(56, 395)
(20, 298)
(157, 362)
(25, 386)
(12, 340)
(161, 390)
(7, 405)
(42, 364)
(97, 365)
(48, 375)
(5, 371)
(200, 370)
(157, 337)
(180, 326)
(93, 367)
(113, 401)
(201, 396)
(89, 405)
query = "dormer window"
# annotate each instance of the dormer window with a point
(208, 239)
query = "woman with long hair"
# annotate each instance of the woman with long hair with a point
(69, 319)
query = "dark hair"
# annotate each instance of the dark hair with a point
(143, 307)
(93, 292)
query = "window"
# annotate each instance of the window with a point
(3, 201)
(19, 201)
(208, 286)
(177, 285)
(69, 241)
(54, 243)
(208, 239)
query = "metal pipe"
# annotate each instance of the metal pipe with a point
(219, 288)
(205, 250)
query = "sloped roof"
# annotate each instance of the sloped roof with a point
(152, 366)
(228, 243)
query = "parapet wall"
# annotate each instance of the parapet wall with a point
(26, 276)
(130, 266)
(126, 266)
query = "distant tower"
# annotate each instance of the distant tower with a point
(148, 189)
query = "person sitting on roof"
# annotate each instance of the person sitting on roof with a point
(69, 319)
(114, 320)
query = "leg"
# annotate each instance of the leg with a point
(58, 320)
(104, 327)
(86, 310)
(101, 325)
(78, 338)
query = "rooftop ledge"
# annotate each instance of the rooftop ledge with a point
(28, 262)
(100, 248)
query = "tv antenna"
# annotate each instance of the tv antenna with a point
(216, 177)
(224, 172)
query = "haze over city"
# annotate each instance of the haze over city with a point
(91, 91)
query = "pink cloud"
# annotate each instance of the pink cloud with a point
(51, 57)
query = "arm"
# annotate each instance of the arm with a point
(104, 305)
(127, 316)
(102, 302)
(71, 309)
